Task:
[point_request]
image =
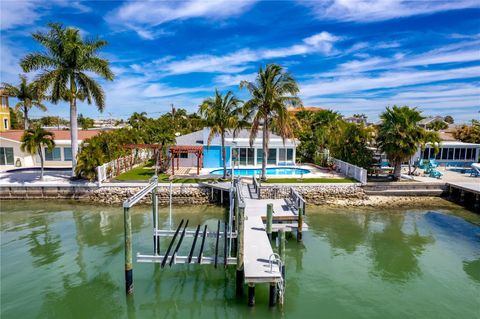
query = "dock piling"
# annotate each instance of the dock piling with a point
(128, 251)
(269, 220)
(272, 301)
(300, 224)
(240, 240)
(251, 295)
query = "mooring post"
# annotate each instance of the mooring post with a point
(450, 192)
(251, 295)
(272, 301)
(269, 220)
(462, 196)
(300, 224)
(281, 235)
(240, 239)
(128, 251)
(156, 238)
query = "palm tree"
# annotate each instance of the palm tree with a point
(273, 91)
(399, 135)
(221, 114)
(28, 96)
(64, 65)
(35, 140)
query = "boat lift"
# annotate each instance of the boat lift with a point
(225, 231)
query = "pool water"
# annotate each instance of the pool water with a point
(258, 171)
(65, 260)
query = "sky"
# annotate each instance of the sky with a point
(352, 56)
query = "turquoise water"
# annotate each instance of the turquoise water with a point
(65, 260)
(258, 171)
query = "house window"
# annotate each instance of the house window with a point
(67, 153)
(259, 156)
(5, 124)
(272, 156)
(444, 153)
(469, 153)
(462, 153)
(6, 155)
(53, 155)
(450, 153)
(457, 154)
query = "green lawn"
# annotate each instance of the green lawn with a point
(309, 180)
(145, 172)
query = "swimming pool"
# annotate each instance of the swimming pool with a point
(258, 171)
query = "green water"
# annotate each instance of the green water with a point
(65, 260)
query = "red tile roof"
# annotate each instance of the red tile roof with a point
(16, 135)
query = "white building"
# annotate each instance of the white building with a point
(11, 156)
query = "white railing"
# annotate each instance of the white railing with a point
(297, 200)
(350, 170)
(116, 167)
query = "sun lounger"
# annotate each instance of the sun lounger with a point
(475, 170)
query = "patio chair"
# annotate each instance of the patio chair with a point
(435, 174)
(475, 170)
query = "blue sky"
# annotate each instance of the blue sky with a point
(353, 56)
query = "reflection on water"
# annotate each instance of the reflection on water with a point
(395, 253)
(355, 264)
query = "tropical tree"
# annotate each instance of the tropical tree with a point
(35, 140)
(273, 91)
(28, 95)
(65, 66)
(449, 119)
(85, 122)
(221, 114)
(437, 125)
(399, 135)
(468, 133)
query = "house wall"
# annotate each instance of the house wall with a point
(4, 114)
(212, 156)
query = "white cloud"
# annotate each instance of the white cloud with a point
(225, 80)
(378, 10)
(142, 16)
(386, 80)
(239, 61)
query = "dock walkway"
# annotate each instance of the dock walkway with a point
(257, 249)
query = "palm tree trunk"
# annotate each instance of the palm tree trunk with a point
(25, 118)
(40, 153)
(265, 149)
(224, 156)
(397, 170)
(74, 132)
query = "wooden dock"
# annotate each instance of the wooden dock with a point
(465, 194)
(258, 252)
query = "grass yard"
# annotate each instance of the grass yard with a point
(309, 180)
(145, 172)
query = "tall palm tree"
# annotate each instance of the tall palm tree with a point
(35, 140)
(64, 65)
(28, 96)
(221, 114)
(399, 135)
(273, 91)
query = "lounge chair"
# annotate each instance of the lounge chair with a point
(475, 170)
(435, 173)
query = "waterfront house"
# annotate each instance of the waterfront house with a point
(280, 153)
(4, 112)
(11, 156)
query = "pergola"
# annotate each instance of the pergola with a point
(182, 149)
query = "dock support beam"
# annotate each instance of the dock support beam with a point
(251, 295)
(128, 251)
(300, 224)
(281, 235)
(269, 220)
(156, 238)
(273, 295)
(240, 239)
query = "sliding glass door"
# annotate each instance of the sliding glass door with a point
(243, 156)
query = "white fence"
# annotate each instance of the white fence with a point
(350, 170)
(116, 167)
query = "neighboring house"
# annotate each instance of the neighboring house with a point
(451, 153)
(356, 119)
(4, 112)
(424, 123)
(238, 148)
(11, 155)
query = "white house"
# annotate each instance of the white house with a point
(11, 156)
(280, 152)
